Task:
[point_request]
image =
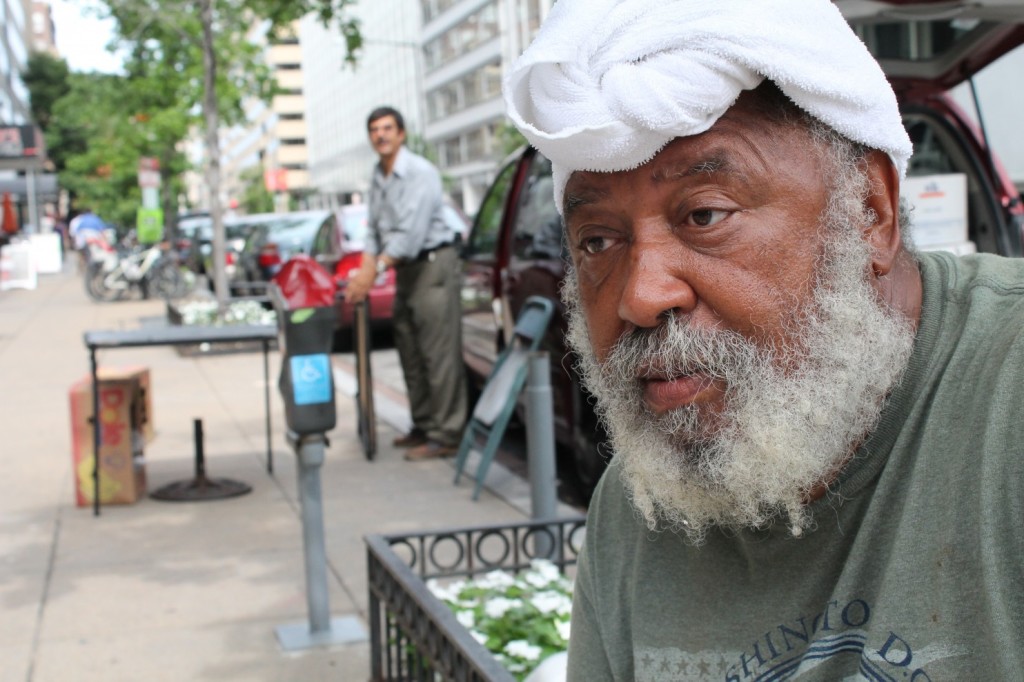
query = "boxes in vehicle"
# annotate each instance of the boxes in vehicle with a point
(939, 205)
(126, 424)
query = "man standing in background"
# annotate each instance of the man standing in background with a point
(407, 233)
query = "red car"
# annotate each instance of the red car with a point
(515, 247)
(341, 251)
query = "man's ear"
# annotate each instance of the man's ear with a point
(883, 234)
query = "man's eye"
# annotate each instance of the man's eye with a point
(706, 217)
(594, 245)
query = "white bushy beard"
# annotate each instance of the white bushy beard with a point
(791, 416)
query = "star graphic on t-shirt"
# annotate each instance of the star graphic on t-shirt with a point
(704, 667)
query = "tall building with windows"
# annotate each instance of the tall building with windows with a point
(339, 97)
(441, 63)
(271, 147)
(14, 48)
(43, 34)
(467, 44)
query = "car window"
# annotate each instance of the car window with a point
(938, 150)
(484, 238)
(537, 231)
(325, 240)
(454, 220)
(354, 225)
(917, 40)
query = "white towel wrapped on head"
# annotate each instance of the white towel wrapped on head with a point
(608, 83)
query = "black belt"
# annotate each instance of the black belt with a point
(425, 253)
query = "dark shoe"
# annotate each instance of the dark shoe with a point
(430, 450)
(411, 439)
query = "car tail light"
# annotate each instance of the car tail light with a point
(269, 255)
(230, 258)
(348, 263)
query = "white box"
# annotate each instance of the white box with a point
(940, 208)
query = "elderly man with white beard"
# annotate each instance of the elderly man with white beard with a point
(817, 430)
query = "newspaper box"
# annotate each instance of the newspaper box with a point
(125, 423)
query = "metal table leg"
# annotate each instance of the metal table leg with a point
(96, 437)
(266, 403)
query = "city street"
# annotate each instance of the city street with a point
(159, 590)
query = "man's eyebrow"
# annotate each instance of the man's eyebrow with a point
(575, 200)
(712, 165)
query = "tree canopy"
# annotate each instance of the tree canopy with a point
(185, 70)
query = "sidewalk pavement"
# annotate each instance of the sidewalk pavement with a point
(190, 590)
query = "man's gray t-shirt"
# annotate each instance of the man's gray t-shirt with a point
(915, 567)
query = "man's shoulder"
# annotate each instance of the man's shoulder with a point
(414, 164)
(610, 506)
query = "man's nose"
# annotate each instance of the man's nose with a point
(656, 285)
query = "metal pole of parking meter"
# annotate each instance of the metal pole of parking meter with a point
(320, 629)
(310, 458)
(540, 445)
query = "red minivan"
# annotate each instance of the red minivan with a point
(515, 247)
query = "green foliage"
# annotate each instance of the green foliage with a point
(97, 126)
(256, 198)
(46, 78)
(521, 619)
(509, 138)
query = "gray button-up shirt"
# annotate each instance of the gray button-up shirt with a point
(405, 208)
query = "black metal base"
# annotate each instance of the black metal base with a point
(199, 489)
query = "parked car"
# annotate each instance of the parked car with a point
(271, 239)
(186, 240)
(515, 247)
(343, 253)
(340, 251)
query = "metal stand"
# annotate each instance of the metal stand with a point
(321, 630)
(540, 446)
(365, 416)
(201, 487)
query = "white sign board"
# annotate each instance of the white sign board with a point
(939, 205)
(46, 253)
(17, 266)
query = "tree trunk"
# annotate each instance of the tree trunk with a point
(220, 281)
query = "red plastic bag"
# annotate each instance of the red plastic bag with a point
(305, 284)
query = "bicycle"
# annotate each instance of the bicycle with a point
(111, 275)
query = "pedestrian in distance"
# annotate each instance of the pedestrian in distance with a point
(84, 228)
(817, 429)
(407, 232)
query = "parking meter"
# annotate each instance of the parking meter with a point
(306, 382)
(303, 294)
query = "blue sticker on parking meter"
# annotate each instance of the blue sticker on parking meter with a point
(311, 379)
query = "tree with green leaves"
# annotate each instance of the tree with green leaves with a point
(214, 55)
(256, 198)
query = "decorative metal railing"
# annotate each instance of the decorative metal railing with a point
(413, 635)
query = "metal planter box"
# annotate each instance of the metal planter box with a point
(413, 635)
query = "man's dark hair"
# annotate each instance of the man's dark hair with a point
(381, 112)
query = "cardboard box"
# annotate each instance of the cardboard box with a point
(940, 208)
(126, 425)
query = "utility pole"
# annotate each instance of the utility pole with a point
(220, 281)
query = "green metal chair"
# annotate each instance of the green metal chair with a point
(494, 408)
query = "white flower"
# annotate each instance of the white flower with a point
(520, 648)
(563, 629)
(479, 636)
(449, 593)
(499, 606)
(496, 579)
(546, 568)
(466, 618)
(552, 602)
(535, 579)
